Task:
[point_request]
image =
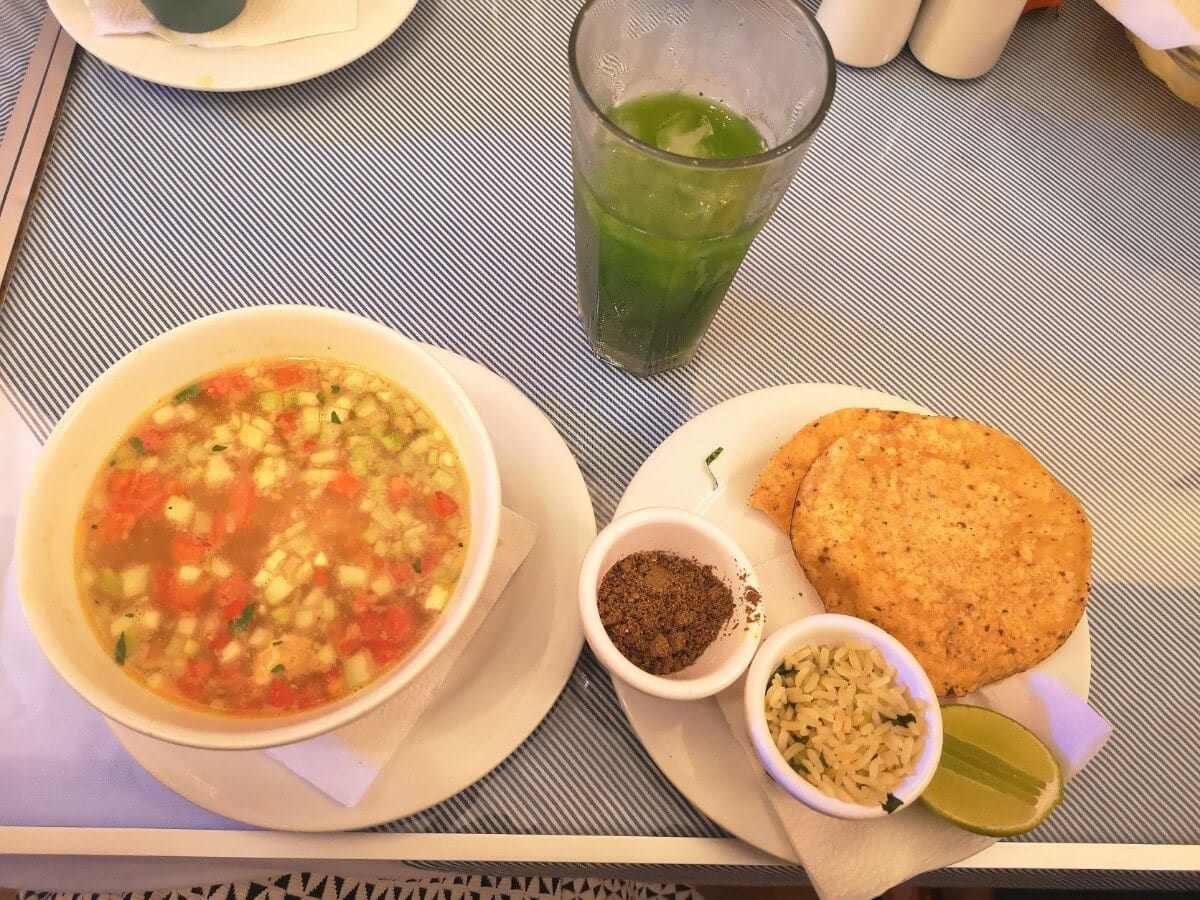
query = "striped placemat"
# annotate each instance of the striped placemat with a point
(19, 24)
(1020, 249)
(28, 115)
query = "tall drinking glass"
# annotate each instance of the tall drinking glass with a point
(688, 121)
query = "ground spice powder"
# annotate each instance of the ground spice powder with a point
(661, 610)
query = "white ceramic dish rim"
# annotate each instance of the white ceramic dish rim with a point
(675, 687)
(485, 516)
(825, 628)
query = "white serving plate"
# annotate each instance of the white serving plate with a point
(691, 742)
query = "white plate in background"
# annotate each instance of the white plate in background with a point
(234, 68)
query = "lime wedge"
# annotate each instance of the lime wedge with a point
(995, 777)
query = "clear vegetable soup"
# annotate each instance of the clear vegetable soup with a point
(273, 537)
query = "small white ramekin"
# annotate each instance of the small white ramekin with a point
(836, 629)
(692, 537)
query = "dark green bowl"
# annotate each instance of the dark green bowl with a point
(195, 15)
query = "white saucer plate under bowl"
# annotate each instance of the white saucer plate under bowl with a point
(518, 661)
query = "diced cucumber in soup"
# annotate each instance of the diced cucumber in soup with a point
(269, 536)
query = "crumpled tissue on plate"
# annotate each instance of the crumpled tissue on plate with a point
(1160, 24)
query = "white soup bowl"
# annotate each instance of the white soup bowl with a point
(84, 437)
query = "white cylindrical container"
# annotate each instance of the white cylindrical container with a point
(963, 38)
(867, 33)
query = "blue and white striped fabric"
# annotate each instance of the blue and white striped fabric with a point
(1020, 249)
(19, 23)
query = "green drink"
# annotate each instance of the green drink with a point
(688, 125)
(671, 184)
(657, 248)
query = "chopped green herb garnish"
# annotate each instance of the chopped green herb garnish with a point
(277, 668)
(798, 764)
(242, 622)
(219, 448)
(333, 417)
(320, 397)
(891, 804)
(276, 643)
(417, 566)
(824, 762)
(138, 447)
(803, 739)
(336, 388)
(188, 393)
(902, 719)
(119, 653)
(708, 461)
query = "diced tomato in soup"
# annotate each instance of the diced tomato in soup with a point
(273, 536)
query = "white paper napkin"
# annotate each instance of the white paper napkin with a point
(261, 22)
(344, 763)
(1162, 24)
(859, 860)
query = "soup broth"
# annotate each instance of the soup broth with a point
(273, 536)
